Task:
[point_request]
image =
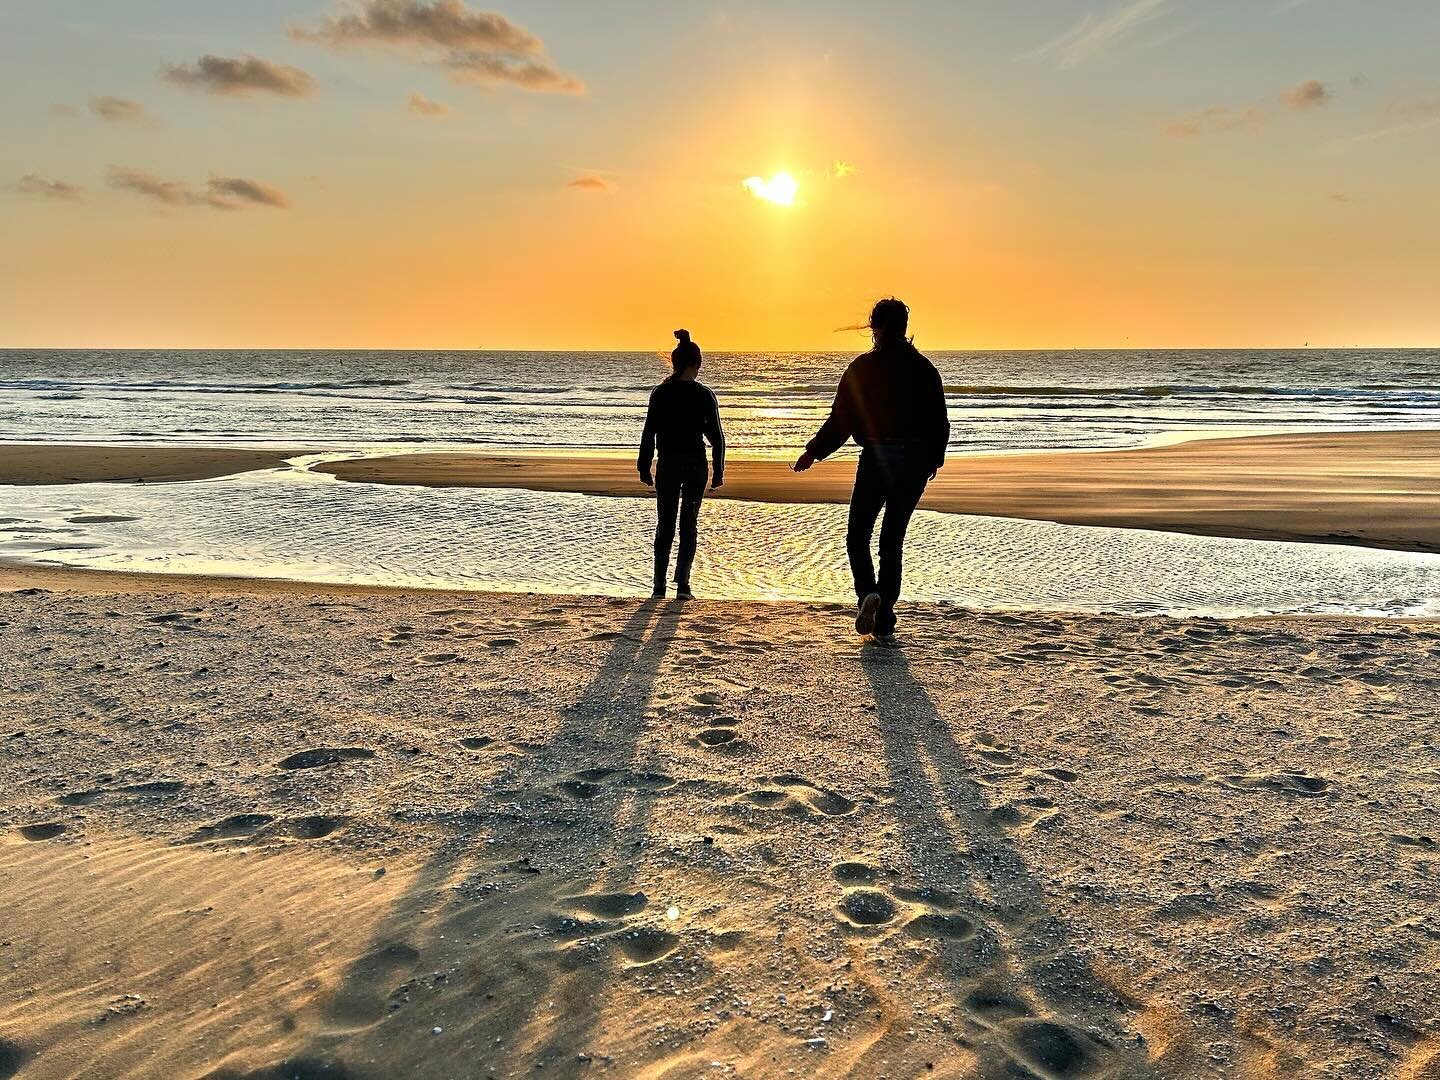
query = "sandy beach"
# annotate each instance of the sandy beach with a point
(60, 463)
(1379, 489)
(264, 830)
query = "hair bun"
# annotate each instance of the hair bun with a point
(683, 336)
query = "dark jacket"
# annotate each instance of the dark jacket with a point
(892, 394)
(683, 415)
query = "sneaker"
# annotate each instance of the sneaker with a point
(865, 618)
(886, 640)
(682, 592)
(658, 593)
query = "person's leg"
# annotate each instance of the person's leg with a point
(667, 505)
(903, 497)
(865, 503)
(692, 494)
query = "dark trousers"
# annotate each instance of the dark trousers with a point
(679, 489)
(890, 478)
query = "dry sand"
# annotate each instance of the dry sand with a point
(48, 463)
(265, 831)
(1378, 489)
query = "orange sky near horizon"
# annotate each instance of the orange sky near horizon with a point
(1034, 213)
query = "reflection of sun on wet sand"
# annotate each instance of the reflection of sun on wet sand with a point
(284, 830)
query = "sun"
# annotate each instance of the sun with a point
(780, 189)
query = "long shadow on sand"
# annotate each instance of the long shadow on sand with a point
(554, 831)
(1033, 1004)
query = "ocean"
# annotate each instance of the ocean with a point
(771, 403)
(295, 523)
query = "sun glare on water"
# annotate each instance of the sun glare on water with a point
(780, 189)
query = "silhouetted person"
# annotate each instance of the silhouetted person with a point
(683, 415)
(892, 402)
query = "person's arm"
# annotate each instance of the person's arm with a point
(715, 432)
(938, 420)
(647, 444)
(838, 426)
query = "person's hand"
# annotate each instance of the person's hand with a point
(718, 482)
(803, 462)
(646, 478)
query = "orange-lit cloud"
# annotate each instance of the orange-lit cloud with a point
(241, 75)
(119, 110)
(35, 184)
(218, 193)
(479, 48)
(419, 104)
(1215, 119)
(1307, 95)
(591, 182)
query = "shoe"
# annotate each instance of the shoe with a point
(682, 592)
(865, 618)
(658, 593)
(886, 640)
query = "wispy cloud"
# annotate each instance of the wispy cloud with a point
(1309, 94)
(1216, 119)
(63, 109)
(420, 105)
(45, 188)
(240, 75)
(592, 182)
(1095, 33)
(218, 193)
(479, 48)
(119, 110)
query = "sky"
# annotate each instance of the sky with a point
(559, 174)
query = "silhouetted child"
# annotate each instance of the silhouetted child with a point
(683, 415)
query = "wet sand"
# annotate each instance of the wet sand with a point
(267, 829)
(1377, 489)
(47, 463)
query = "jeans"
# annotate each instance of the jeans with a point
(679, 489)
(889, 477)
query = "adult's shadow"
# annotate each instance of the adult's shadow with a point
(1029, 1000)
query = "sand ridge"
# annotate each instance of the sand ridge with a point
(1374, 488)
(66, 463)
(584, 837)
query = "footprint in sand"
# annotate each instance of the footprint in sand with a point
(639, 945)
(926, 913)
(325, 755)
(360, 1000)
(1296, 784)
(1052, 1049)
(797, 797)
(47, 830)
(477, 742)
(312, 827)
(231, 827)
(592, 783)
(1037, 812)
(437, 659)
